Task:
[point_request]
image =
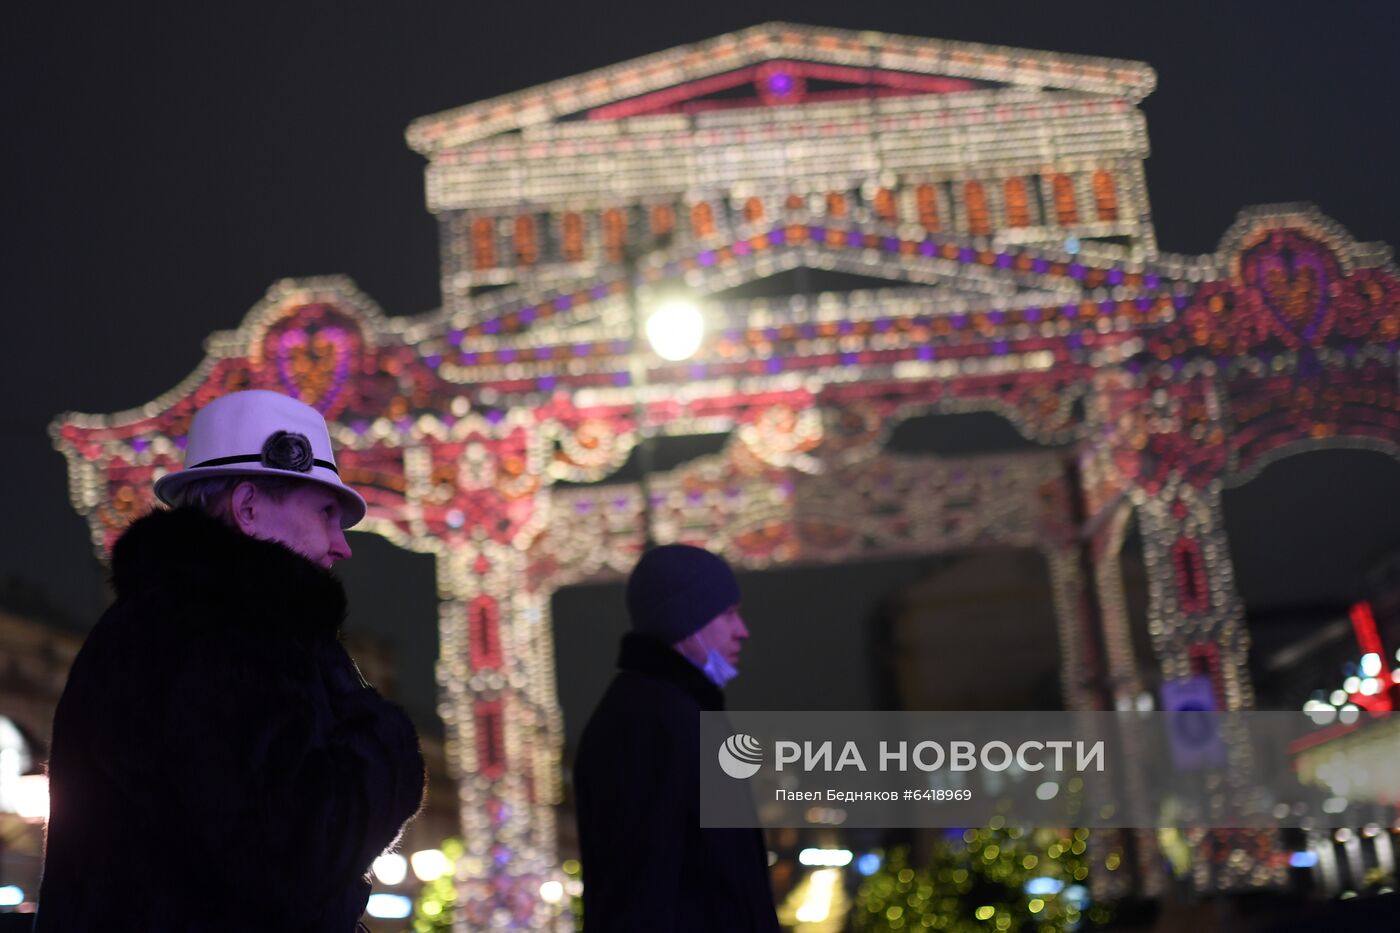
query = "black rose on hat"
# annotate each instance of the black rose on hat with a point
(287, 451)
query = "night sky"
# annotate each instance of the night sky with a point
(163, 167)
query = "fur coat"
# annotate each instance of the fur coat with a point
(648, 867)
(218, 763)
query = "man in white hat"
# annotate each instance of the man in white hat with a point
(218, 763)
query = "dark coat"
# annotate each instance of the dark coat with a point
(218, 763)
(648, 867)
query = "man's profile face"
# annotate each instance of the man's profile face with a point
(725, 633)
(307, 520)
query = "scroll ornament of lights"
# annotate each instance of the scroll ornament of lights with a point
(1020, 275)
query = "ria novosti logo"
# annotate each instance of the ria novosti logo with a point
(740, 756)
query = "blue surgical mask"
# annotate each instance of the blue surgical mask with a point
(718, 669)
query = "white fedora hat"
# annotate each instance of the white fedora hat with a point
(261, 433)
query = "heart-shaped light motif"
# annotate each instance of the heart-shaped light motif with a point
(1292, 280)
(313, 366)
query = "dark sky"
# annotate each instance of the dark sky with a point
(165, 163)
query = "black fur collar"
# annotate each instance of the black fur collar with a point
(185, 551)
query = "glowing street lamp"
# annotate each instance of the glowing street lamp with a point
(675, 330)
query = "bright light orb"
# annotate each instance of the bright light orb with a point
(390, 868)
(429, 864)
(389, 906)
(551, 892)
(675, 330)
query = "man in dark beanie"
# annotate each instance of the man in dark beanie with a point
(648, 867)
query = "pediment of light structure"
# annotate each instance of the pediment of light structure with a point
(775, 64)
(788, 123)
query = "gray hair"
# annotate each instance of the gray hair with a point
(212, 495)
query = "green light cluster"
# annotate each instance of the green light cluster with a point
(437, 902)
(976, 883)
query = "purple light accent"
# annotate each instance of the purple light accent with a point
(731, 493)
(658, 499)
(706, 258)
(697, 371)
(1180, 301)
(139, 445)
(1178, 364)
(547, 383)
(454, 337)
(470, 358)
(734, 335)
(1070, 311)
(598, 292)
(996, 317)
(403, 424)
(582, 349)
(620, 347)
(890, 244)
(967, 255)
(818, 233)
(359, 426)
(1076, 271)
(563, 302)
(621, 379)
(449, 420)
(770, 333)
(780, 84)
(1074, 340)
(1003, 261)
(882, 325)
(528, 314)
(495, 416)
(1114, 277)
(433, 360)
(809, 331)
(1000, 347)
(923, 353)
(786, 486)
(491, 327)
(777, 237)
(1143, 304)
(619, 503)
(506, 356)
(958, 321)
(583, 506)
(1151, 281)
(773, 365)
(849, 359)
(928, 248)
(1134, 366)
(1040, 266)
(845, 327)
(740, 248)
(1031, 314)
(694, 496)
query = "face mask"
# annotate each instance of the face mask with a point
(718, 669)
(715, 667)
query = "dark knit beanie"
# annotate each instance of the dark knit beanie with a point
(676, 589)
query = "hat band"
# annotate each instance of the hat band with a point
(257, 458)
